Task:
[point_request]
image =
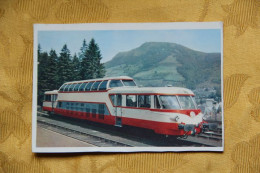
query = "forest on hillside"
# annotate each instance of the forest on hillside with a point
(54, 69)
(162, 63)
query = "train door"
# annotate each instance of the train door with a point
(53, 101)
(118, 110)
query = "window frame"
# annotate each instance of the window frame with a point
(98, 83)
(89, 83)
(101, 84)
(67, 87)
(71, 87)
(62, 87)
(176, 98)
(182, 96)
(83, 89)
(77, 84)
(116, 80)
(136, 103)
(128, 80)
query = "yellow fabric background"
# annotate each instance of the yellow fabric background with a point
(241, 83)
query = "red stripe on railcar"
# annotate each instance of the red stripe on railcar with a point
(165, 128)
(45, 108)
(153, 94)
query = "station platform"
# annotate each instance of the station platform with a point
(48, 138)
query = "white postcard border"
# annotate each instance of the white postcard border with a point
(118, 26)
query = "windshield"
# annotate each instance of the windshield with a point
(172, 102)
(129, 83)
(169, 102)
(186, 102)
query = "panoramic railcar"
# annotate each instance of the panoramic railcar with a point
(118, 101)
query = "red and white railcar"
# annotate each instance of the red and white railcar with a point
(118, 101)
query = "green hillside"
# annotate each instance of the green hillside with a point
(161, 64)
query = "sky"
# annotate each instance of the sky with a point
(112, 42)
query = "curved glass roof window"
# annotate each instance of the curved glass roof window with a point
(67, 87)
(115, 83)
(62, 87)
(103, 85)
(82, 87)
(95, 86)
(71, 87)
(89, 86)
(76, 88)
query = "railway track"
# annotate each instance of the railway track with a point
(80, 133)
(102, 135)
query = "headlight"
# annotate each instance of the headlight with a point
(175, 119)
(192, 114)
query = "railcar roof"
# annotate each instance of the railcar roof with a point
(52, 92)
(99, 79)
(158, 90)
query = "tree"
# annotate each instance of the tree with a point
(76, 68)
(91, 66)
(42, 75)
(83, 50)
(64, 71)
(39, 50)
(52, 70)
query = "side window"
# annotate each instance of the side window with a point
(156, 102)
(103, 85)
(60, 104)
(89, 86)
(115, 83)
(81, 107)
(95, 86)
(72, 106)
(101, 109)
(144, 101)
(116, 99)
(82, 86)
(76, 107)
(131, 100)
(113, 99)
(47, 97)
(119, 100)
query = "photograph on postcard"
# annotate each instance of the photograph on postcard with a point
(128, 87)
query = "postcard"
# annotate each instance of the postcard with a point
(128, 87)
